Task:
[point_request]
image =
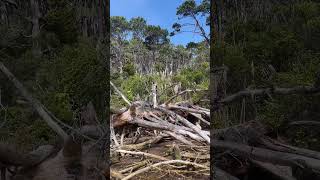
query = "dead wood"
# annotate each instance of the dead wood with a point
(186, 123)
(278, 146)
(307, 123)
(120, 93)
(281, 172)
(116, 174)
(143, 145)
(163, 163)
(270, 91)
(266, 155)
(181, 93)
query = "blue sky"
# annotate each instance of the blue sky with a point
(156, 12)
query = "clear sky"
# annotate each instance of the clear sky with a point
(156, 12)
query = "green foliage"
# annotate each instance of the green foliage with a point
(140, 86)
(137, 26)
(129, 69)
(313, 33)
(285, 49)
(59, 105)
(62, 21)
(306, 10)
(190, 9)
(236, 61)
(194, 77)
(135, 85)
(191, 45)
(187, 8)
(160, 67)
(120, 27)
(29, 130)
(155, 36)
(67, 76)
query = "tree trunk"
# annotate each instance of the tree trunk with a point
(35, 15)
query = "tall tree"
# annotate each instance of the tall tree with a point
(155, 37)
(35, 16)
(138, 26)
(120, 30)
(190, 9)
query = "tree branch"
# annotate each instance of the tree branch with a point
(269, 91)
(35, 103)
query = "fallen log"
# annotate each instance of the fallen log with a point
(281, 172)
(271, 156)
(270, 91)
(307, 123)
(277, 146)
(186, 122)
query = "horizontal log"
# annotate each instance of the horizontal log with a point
(266, 155)
(270, 91)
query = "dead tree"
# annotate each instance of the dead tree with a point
(76, 158)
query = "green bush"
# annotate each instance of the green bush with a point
(62, 21)
(76, 71)
(59, 105)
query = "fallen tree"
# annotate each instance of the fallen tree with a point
(76, 156)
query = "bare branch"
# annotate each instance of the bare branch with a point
(120, 93)
(270, 91)
(163, 163)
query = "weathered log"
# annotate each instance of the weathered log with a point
(142, 145)
(266, 155)
(307, 123)
(191, 110)
(269, 91)
(187, 123)
(173, 128)
(277, 146)
(281, 172)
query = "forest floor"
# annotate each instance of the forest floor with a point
(163, 149)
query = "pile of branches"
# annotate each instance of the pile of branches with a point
(236, 151)
(183, 123)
